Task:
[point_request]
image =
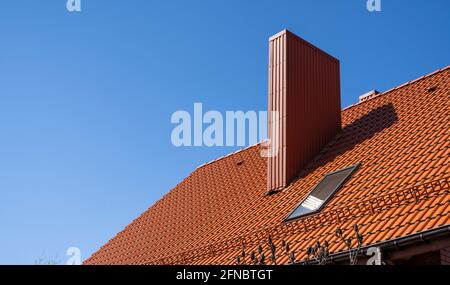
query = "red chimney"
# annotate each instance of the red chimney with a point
(304, 87)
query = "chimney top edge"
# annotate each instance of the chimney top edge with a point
(279, 34)
(303, 41)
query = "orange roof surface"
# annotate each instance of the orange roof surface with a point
(402, 140)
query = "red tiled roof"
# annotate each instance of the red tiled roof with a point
(400, 137)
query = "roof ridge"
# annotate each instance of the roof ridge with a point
(230, 154)
(342, 110)
(398, 87)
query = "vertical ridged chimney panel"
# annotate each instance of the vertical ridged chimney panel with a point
(304, 88)
(277, 102)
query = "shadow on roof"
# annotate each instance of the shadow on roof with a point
(353, 134)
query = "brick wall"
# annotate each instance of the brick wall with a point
(445, 256)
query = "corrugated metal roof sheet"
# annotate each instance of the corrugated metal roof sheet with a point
(304, 88)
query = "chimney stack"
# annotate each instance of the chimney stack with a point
(304, 89)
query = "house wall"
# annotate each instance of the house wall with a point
(445, 256)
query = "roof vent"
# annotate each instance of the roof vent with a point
(369, 95)
(431, 89)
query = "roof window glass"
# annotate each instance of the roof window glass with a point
(323, 191)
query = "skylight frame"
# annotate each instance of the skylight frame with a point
(353, 168)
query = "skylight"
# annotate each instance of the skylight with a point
(323, 191)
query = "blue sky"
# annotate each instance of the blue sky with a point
(86, 98)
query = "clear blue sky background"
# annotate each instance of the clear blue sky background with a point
(86, 98)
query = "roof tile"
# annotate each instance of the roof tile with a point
(402, 139)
